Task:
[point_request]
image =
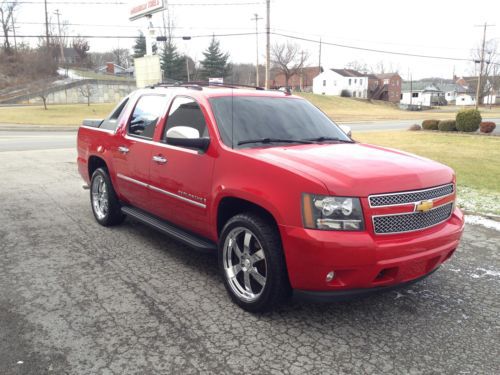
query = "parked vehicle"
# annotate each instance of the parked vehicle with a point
(288, 201)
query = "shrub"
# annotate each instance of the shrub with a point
(487, 127)
(447, 125)
(430, 124)
(468, 120)
(415, 127)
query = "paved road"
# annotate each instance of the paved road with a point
(77, 298)
(36, 140)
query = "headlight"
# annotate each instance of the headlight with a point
(332, 213)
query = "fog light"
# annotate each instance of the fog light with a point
(329, 276)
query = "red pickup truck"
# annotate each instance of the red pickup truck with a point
(289, 202)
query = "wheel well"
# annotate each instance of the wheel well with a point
(229, 207)
(94, 163)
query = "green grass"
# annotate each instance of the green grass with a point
(349, 109)
(69, 114)
(475, 159)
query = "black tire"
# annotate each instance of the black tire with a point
(113, 214)
(277, 286)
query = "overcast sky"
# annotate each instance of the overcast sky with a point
(429, 27)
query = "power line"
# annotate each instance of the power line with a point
(125, 3)
(136, 36)
(372, 49)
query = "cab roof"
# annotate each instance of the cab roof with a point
(216, 90)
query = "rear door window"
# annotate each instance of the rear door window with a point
(147, 112)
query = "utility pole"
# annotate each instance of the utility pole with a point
(47, 26)
(481, 63)
(256, 19)
(14, 31)
(57, 13)
(268, 42)
(319, 61)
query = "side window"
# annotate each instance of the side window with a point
(147, 112)
(185, 120)
(112, 121)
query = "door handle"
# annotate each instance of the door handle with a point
(160, 159)
(123, 149)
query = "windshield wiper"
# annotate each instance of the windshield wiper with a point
(274, 140)
(324, 139)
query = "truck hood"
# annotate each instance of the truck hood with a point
(358, 169)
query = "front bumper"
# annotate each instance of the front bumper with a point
(362, 260)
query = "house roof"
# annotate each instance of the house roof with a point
(419, 86)
(386, 75)
(348, 72)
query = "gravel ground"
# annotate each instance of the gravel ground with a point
(77, 298)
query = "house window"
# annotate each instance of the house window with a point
(414, 95)
(354, 94)
(349, 82)
(324, 82)
(361, 81)
(401, 97)
(335, 83)
(355, 81)
(386, 81)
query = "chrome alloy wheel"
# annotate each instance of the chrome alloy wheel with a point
(100, 197)
(244, 264)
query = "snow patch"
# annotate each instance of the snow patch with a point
(487, 223)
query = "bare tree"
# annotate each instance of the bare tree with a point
(43, 91)
(81, 47)
(87, 91)
(121, 57)
(7, 11)
(288, 59)
(491, 68)
(359, 66)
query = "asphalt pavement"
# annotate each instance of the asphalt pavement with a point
(51, 138)
(78, 298)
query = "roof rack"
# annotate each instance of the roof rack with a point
(199, 85)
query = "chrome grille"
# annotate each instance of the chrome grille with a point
(410, 196)
(413, 221)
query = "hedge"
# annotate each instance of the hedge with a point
(468, 120)
(447, 125)
(487, 127)
(430, 124)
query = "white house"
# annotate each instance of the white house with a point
(334, 81)
(427, 96)
(465, 99)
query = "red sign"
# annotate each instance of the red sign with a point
(145, 8)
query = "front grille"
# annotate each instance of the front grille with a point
(410, 196)
(413, 221)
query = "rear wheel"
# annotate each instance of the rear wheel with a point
(103, 199)
(252, 263)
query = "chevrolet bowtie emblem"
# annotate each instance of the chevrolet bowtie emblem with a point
(424, 206)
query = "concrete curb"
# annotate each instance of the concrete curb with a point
(32, 127)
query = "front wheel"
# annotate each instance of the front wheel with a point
(252, 263)
(103, 199)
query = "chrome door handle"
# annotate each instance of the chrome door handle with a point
(159, 159)
(123, 149)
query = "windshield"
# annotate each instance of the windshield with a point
(241, 119)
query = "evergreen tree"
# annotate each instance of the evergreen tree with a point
(215, 63)
(173, 64)
(140, 46)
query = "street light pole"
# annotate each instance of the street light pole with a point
(187, 58)
(57, 13)
(268, 41)
(256, 19)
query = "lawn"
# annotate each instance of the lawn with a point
(69, 114)
(93, 75)
(475, 159)
(353, 110)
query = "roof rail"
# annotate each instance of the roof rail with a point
(200, 84)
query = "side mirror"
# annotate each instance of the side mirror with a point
(185, 136)
(346, 129)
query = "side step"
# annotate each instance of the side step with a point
(163, 226)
